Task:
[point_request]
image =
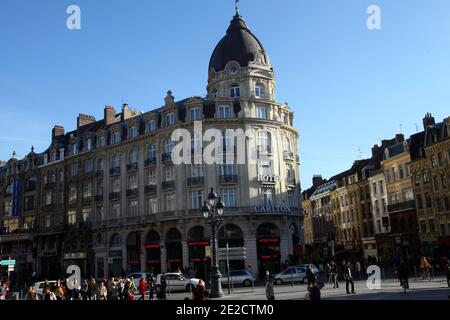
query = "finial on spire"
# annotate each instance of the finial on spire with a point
(14, 154)
(237, 8)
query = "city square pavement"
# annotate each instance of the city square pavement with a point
(436, 289)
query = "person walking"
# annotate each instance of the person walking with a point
(358, 270)
(424, 267)
(270, 295)
(310, 276)
(142, 288)
(162, 291)
(102, 291)
(151, 286)
(349, 278)
(403, 273)
(314, 292)
(31, 294)
(199, 293)
(328, 272)
(334, 275)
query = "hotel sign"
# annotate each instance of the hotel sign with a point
(268, 178)
(284, 208)
(15, 198)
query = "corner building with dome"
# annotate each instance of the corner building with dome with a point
(108, 198)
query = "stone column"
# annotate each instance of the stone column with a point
(252, 255)
(185, 260)
(163, 257)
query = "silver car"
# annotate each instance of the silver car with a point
(294, 274)
(238, 277)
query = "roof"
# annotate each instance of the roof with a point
(239, 44)
(435, 133)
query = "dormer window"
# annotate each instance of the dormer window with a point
(115, 137)
(53, 156)
(260, 91)
(151, 126)
(133, 132)
(286, 118)
(235, 91)
(170, 119)
(194, 114)
(74, 149)
(101, 142)
(224, 112)
(89, 144)
(214, 94)
(45, 158)
(233, 70)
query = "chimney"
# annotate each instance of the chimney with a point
(126, 112)
(84, 119)
(57, 131)
(109, 115)
(428, 120)
(375, 150)
(317, 180)
(399, 138)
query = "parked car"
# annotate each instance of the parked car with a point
(294, 273)
(238, 277)
(177, 282)
(39, 287)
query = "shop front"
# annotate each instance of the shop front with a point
(231, 235)
(174, 250)
(133, 245)
(268, 248)
(153, 252)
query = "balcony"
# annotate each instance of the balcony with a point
(264, 152)
(288, 155)
(114, 195)
(196, 181)
(228, 178)
(49, 207)
(132, 192)
(114, 171)
(166, 157)
(168, 185)
(150, 162)
(150, 189)
(407, 205)
(132, 166)
(99, 198)
(290, 181)
(99, 173)
(87, 200)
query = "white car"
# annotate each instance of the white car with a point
(294, 274)
(238, 277)
(39, 287)
(177, 282)
(137, 277)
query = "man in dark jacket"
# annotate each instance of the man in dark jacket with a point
(403, 273)
(349, 278)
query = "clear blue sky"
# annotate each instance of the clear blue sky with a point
(349, 87)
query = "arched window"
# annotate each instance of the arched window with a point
(116, 240)
(287, 145)
(151, 151)
(235, 91)
(264, 141)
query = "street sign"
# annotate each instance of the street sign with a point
(8, 262)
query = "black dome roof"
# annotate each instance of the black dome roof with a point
(239, 45)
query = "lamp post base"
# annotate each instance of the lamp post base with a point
(216, 284)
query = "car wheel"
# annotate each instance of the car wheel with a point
(278, 281)
(190, 287)
(247, 283)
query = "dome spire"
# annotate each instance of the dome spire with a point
(237, 9)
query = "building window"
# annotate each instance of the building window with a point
(169, 200)
(196, 171)
(7, 208)
(215, 94)
(99, 213)
(133, 157)
(264, 141)
(101, 142)
(196, 199)
(151, 126)
(168, 146)
(53, 156)
(86, 214)
(115, 211)
(447, 204)
(287, 145)
(224, 112)
(260, 91)
(151, 205)
(170, 119)
(71, 217)
(286, 118)
(72, 194)
(432, 226)
(227, 169)
(235, 91)
(408, 195)
(61, 154)
(132, 182)
(150, 177)
(419, 201)
(169, 173)
(48, 198)
(87, 190)
(89, 144)
(434, 161)
(115, 137)
(151, 151)
(115, 185)
(115, 161)
(74, 149)
(261, 113)
(133, 208)
(267, 194)
(87, 164)
(291, 198)
(265, 167)
(443, 230)
(196, 143)
(99, 165)
(73, 169)
(444, 182)
(428, 200)
(425, 176)
(194, 114)
(228, 196)
(99, 188)
(133, 132)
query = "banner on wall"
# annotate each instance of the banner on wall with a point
(16, 198)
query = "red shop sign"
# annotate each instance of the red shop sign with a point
(269, 240)
(152, 246)
(198, 243)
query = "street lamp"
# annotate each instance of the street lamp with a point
(213, 213)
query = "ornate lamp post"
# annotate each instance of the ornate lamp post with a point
(213, 212)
